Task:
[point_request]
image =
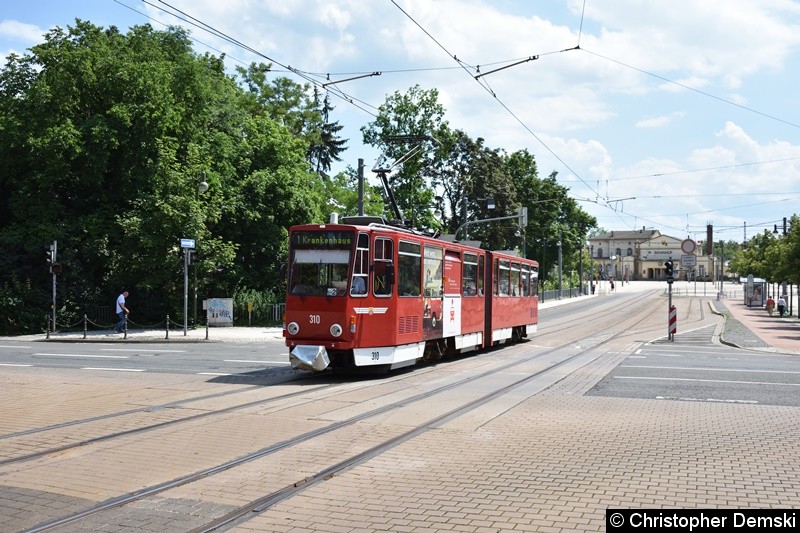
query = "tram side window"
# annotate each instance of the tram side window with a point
(434, 261)
(410, 268)
(360, 267)
(383, 276)
(525, 280)
(516, 288)
(481, 262)
(534, 280)
(470, 275)
(504, 277)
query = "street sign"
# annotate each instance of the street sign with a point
(187, 243)
(688, 246)
(689, 261)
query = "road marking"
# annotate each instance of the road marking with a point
(114, 369)
(27, 347)
(712, 369)
(710, 381)
(705, 400)
(638, 357)
(12, 364)
(83, 355)
(135, 350)
(214, 374)
(257, 362)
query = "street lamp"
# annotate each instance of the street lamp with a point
(490, 205)
(202, 185)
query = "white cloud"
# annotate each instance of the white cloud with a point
(20, 31)
(658, 122)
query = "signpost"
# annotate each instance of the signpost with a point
(188, 246)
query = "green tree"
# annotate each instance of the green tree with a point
(106, 137)
(419, 117)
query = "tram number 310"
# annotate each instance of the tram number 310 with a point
(376, 356)
(314, 319)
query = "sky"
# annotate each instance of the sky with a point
(657, 114)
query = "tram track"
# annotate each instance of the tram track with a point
(198, 416)
(287, 491)
(81, 442)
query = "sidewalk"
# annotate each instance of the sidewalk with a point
(752, 327)
(200, 334)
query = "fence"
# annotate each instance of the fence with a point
(559, 294)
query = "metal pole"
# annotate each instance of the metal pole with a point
(466, 227)
(669, 309)
(360, 187)
(185, 291)
(560, 263)
(722, 269)
(55, 250)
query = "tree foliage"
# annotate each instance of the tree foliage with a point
(107, 135)
(106, 138)
(775, 258)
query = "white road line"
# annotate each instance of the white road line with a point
(712, 369)
(256, 362)
(705, 400)
(83, 355)
(114, 369)
(135, 350)
(12, 364)
(637, 357)
(27, 347)
(710, 381)
(214, 374)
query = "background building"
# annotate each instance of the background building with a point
(640, 255)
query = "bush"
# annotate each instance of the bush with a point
(267, 308)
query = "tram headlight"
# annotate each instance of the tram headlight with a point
(293, 328)
(336, 330)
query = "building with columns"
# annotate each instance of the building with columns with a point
(640, 255)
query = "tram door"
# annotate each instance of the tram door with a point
(451, 320)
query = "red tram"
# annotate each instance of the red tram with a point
(363, 293)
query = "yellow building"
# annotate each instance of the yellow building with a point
(640, 255)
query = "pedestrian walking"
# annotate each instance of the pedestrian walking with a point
(770, 305)
(781, 306)
(122, 312)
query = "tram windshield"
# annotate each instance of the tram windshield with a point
(320, 262)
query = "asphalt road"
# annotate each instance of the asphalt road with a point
(194, 358)
(693, 368)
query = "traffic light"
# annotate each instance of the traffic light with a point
(668, 267)
(192, 256)
(50, 257)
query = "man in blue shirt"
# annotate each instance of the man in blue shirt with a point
(122, 312)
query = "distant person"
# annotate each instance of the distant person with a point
(781, 306)
(122, 312)
(770, 305)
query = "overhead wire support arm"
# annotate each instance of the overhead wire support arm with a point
(382, 172)
(376, 73)
(531, 58)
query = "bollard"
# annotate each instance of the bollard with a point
(84, 326)
(125, 333)
(48, 328)
(167, 337)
